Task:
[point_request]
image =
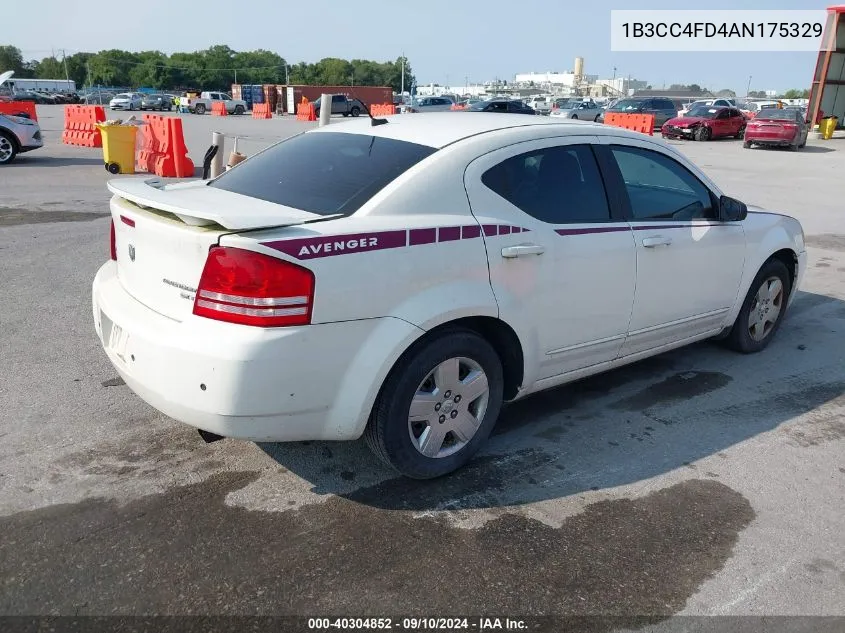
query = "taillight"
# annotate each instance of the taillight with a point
(113, 242)
(240, 286)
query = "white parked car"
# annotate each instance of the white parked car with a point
(714, 103)
(127, 101)
(401, 281)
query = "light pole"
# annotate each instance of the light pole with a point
(402, 88)
(748, 87)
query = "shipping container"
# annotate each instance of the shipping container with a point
(270, 95)
(370, 95)
(237, 91)
(281, 98)
(257, 94)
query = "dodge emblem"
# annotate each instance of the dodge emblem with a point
(131, 252)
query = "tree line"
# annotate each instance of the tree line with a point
(215, 68)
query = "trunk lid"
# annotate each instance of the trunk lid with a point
(163, 233)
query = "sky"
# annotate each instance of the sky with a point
(445, 41)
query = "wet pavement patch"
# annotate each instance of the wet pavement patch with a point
(677, 387)
(186, 552)
(18, 217)
(826, 241)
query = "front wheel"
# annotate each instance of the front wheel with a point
(200, 109)
(703, 134)
(574, 116)
(239, 109)
(438, 405)
(763, 309)
(8, 149)
(356, 111)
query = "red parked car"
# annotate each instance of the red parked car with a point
(781, 127)
(703, 123)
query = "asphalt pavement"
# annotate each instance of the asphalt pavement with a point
(699, 482)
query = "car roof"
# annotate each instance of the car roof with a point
(439, 129)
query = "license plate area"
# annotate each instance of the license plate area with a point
(115, 338)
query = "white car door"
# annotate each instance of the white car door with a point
(689, 263)
(562, 261)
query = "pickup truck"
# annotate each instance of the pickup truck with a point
(203, 104)
(341, 105)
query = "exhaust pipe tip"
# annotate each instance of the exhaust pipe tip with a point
(209, 437)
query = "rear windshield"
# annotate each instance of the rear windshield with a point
(778, 115)
(326, 173)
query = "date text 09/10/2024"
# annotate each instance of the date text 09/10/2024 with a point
(416, 624)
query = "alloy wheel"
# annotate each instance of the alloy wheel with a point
(765, 309)
(448, 407)
(6, 149)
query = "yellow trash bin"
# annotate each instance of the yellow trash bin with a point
(827, 126)
(119, 147)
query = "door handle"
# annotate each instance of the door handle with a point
(657, 240)
(522, 250)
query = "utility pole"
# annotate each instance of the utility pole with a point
(402, 89)
(287, 77)
(748, 88)
(236, 75)
(64, 59)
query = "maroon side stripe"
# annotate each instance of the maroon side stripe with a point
(651, 227)
(449, 233)
(469, 231)
(592, 229)
(422, 236)
(490, 230)
(329, 246)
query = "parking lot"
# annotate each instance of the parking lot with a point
(698, 482)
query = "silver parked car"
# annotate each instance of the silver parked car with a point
(18, 134)
(156, 102)
(577, 109)
(127, 101)
(429, 104)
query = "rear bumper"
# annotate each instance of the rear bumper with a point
(768, 140)
(282, 384)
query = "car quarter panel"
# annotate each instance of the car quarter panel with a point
(766, 234)
(413, 252)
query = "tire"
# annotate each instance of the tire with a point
(596, 120)
(200, 108)
(113, 168)
(345, 115)
(355, 111)
(703, 134)
(574, 116)
(741, 134)
(398, 441)
(740, 338)
(746, 144)
(8, 148)
(239, 109)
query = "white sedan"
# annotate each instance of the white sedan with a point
(127, 101)
(402, 280)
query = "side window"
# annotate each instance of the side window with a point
(660, 187)
(724, 114)
(558, 185)
(338, 98)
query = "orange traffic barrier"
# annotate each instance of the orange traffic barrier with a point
(81, 125)
(163, 151)
(306, 111)
(218, 108)
(261, 111)
(15, 108)
(382, 109)
(643, 123)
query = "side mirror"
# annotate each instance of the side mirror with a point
(732, 210)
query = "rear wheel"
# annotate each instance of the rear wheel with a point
(763, 309)
(356, 111)
(746, 144)
(438, 405)
(8, 149)
(741, 133)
